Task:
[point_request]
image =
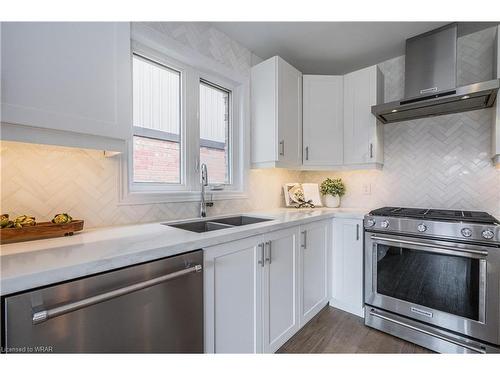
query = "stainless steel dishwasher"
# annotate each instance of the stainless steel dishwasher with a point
(154, 307)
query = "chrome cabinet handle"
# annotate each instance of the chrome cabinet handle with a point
(262, 247)
(304, 240)
(282, 148)
(370, 149)
(357, 232)
(269, 254)
(307, 152)
(44, 315)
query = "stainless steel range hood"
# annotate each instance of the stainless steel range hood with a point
(430, 81)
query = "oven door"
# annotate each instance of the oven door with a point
(437, 282)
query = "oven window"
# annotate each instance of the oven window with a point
(441, 282)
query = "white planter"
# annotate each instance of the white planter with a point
(332, 201)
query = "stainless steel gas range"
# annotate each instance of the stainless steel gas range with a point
(432, 277)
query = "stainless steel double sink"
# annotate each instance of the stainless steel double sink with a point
(208, 225)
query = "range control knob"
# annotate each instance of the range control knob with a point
(421, 227)
(488, 234)
(466, 232)
(384, 224)
(370, 223)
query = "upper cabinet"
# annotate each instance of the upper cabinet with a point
(67, 76)
(363, 141)
(276, 103)
(323, 126)
(340, 132)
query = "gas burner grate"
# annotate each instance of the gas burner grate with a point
(436, 214)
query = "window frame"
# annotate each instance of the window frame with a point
(190, 187)
(228, 87)
(160, 135)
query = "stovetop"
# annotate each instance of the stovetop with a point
(459, 225)
(437, 214)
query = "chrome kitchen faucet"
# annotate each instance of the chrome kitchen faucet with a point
(204, 182)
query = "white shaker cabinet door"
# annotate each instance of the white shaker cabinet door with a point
(289, 115)
(280, 288)
(70, 76)
(314, 249)
(323, 120)
(347, 266)
(276, 115)
(363, 139)
(232, 297)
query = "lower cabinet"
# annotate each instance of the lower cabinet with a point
(233, 296)
(251, 293)
(347, 266)
(261, 290)
(313, 271)
(280, 288)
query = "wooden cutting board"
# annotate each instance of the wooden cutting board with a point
(39, 231)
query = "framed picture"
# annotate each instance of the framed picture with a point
(296, 193)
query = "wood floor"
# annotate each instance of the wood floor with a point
(335, 331)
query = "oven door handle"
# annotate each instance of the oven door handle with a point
(443, 249)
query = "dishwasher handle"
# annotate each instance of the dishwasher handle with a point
(44, 315)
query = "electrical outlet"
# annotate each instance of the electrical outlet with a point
(367, 189)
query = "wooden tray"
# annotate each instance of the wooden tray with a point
(39, 231)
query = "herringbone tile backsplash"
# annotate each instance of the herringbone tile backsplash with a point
(45, 180)
(441, 162)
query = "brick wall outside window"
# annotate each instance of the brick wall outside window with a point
(215, 159)
(159, 161)
(156, 160)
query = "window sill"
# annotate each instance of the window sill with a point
(136, 198)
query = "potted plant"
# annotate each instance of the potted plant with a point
(332, 189)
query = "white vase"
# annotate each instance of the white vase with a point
(332, 201)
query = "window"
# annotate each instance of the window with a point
(215, 132)
(157, 123)
(184, 115)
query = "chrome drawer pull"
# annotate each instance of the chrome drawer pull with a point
(262, 247)
(282, 148)
(441, 337)
(42, 316)
(269, 256)
(304, 243)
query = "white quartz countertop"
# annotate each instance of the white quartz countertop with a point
(28, 265)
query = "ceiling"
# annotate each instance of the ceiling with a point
(326, 47)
